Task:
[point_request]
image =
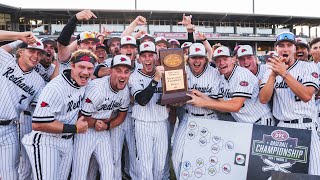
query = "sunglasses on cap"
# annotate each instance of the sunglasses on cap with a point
(286, 36)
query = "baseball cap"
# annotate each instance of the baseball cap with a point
(38, 45)
(244, 50)
(302, 42)
(128, 40)
(147, 47)
(174, 42)
(46, 40)
(197, 49)
(186, 45)
(114, 38)
(146, 36)
(87, 36)
(121, 60)
(221, 51)
(100, 45)
(161, 40)
(285, 36)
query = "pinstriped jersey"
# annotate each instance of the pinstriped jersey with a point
(242, 83)
(64, 65)
(61, 99)
(45, 73)
(208, 83)
(262, 68)
(152, 111)
(286, 105)
(18, 89)
(318, 100)
(101, 99)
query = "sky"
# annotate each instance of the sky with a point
(306, 8)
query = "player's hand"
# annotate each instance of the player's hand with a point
(159, 73)
(105, 32)
(85, 15)
(201, 36)
(100, 125)
(191, 28)
(196, 100)
(199, 94)
(82, 125)
(27, 37)
(140, 20)
(186, 20)
(277, 64)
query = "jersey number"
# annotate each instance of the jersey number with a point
(22, 98)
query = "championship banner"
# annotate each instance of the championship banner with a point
(241, 151)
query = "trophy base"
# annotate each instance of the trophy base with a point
(172, 98)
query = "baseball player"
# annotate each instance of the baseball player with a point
(85, 40)
(47, 70)
(55, 119)
(150, 118)
(173, 43)
(293, 84)
(20, 87)
(146, 38)
(302, 49)
(204, 78)
(247, 59)
(126, 129)
(239, 89)
(103, 96)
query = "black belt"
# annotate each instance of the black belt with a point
(5, 123)
(193, 114)
(67, 136)
(295, 121)
(28, 113)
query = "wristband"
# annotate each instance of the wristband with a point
(108, 125)
(204, 39)
(69, 128)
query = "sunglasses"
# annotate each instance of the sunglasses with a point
(286, 36)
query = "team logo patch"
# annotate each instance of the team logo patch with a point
(315, 75)
(44, 104)
(123, 59)
(128, 39)
(85, 58)
(146, 45)
(243, 50)
(38, 44)
(197, 49)
(219, 51)
(240, 159)
(244, 83)
(88, 100)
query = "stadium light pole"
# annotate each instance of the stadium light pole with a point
(253, 6)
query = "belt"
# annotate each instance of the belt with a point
(193, 114)
(28, 113)
(5, 122)
(67, 136)
(296, 121)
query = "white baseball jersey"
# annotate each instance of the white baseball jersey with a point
(18, 89)
(107, 62)
(242, 83)
(152, 111)
(262, 68)
(61, 100)
(208, 83)
(64, 65)
(286, 105)
(318, 100)
(45, 73)
(101, 100)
